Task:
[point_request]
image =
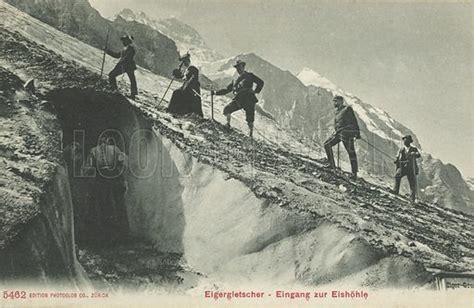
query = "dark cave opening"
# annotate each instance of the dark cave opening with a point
(98, 202)
(85, 115)
(127, 250)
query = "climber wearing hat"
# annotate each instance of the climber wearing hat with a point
(407, 166)
(244, 93)
(346, 130)
(186, 99)
(185, 63)
(126, 64)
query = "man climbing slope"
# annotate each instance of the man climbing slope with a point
(346, 129)
(126, 64)
(244, 93)
(407, 166)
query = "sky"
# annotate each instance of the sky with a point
(413, 60)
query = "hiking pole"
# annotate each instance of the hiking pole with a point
(415, 178)
(339, 138)
(103, 57)
(212, 104)
(172, 79)
(166, 91)
(376, 148)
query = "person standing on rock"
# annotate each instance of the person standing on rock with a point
(107, 163)
(407, 166)
(186, 99)
(126, 64)
(346, 130)
(244, 93)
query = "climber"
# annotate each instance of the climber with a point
(407, 166)
(107, 163)
(126, 64)
(185, 63)
(186, 99)
(244, 94)
(346, 129)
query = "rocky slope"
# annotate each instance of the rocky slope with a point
(79, 19)
(438, 182)
(36, 222)
(185, 37)
(283, 218)
(470, 182)
(304, 105)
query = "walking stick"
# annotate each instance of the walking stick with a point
(416, 181)
(417, 196)
(339, 138)
(212, 104)
(172, 79)
(166, 91)
(105, 48)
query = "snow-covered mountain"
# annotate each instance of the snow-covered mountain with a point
(438, 182)
(78, 18)
(185, 37)
(470, 182)
(310, 77)
(279, 203)
(303, 103)
(377, 121)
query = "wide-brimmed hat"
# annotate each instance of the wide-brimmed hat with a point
(239, 63)
(126, 38)
(338, 98)
(407, 138)
(185, 56)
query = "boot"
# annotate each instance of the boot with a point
(227, 125)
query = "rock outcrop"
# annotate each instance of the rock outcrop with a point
(185, 37)
(79, 19)
(36, 214)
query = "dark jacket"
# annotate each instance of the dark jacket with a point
(191, 93)
(406, 160)
(181, 72)
(126, 56)
(242, 86)
(186, 99)
(345, 122)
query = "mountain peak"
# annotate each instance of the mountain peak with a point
(126, 11)
(185, 36)
(126, 14)
(310, 77)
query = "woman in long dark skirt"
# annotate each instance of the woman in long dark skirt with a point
(186, 99)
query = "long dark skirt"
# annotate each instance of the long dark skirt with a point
(183, 103)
